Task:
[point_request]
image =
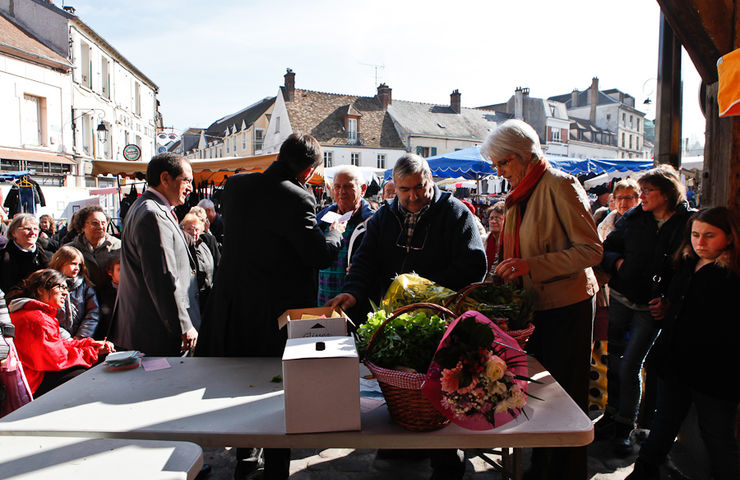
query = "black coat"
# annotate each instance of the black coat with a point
(272, 251)
(647, 252)
(16, 265)
(700, 340)
(446, 248)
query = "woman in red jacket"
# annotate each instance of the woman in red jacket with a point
(48, 359)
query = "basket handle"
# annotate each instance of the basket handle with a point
(459, 297)
(401, 310)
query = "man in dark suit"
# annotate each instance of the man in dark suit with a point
(272, 251)
(158, 311)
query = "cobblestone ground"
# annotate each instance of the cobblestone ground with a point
(339, 464)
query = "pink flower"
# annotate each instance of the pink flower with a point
(451, 378)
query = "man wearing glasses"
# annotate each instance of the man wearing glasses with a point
(422, 230)
(158, 310)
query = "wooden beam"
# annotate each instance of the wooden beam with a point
(705, 29)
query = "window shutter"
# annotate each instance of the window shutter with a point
(419, 150)
(434, 151)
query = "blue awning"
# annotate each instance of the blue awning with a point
(469, 164)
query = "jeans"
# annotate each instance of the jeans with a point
(716, 423)
(26, 200)
(631, 334)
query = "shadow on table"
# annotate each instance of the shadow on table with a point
(50, 457)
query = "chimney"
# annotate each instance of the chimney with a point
(289, 91)
(574, 98)
(455, 100)
(519, 103)
(384, 95)
(594, 98)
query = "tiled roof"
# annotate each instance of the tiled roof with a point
(442, 121)
(248, 116)
(322, 115)
(583, 99)
(16, 40)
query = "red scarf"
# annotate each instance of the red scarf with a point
(514, 200)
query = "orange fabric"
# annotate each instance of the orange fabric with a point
(41, 347)
(728, 96)
(513, 219)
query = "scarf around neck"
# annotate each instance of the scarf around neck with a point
(515, 200)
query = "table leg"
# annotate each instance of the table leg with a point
(517, 464)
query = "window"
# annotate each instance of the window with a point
(233, 145)
(352, 130)
(328, 159)
(426, 151)
(33, 126)
(259, 139)
(381, 160)
(623, 144)
(637, 143)
(137, 99)
(277, 124)
(555, 134)
(105, 77)
(86, 135)
(227, 145)
(632, 121)
(630, 142)
(244, 140)
(638, 124)
(624, 119)
(85, 65)
(608, 116)
(355, 158)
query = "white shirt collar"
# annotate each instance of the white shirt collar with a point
(161, 197)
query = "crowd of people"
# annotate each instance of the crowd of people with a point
(214, 284)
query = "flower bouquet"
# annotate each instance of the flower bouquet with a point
(478, 378)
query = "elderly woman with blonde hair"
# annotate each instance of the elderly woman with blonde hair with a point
(550, 244)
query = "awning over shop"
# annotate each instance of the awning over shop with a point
(215, 170)
(36, 156)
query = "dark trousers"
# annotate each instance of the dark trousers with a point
(561, 341)
(54, 379)
(277, 461)
(716, 424)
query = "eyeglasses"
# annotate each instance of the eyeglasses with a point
(61, 286)
(628, 197)
(497, 218)
(101, 223)
(402, 238)
(648, 191)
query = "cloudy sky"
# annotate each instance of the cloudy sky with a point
(212, 58)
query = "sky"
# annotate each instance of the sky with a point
(213, 58)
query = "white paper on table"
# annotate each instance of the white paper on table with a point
(155, 364)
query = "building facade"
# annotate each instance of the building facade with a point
(106, 102)
(609, 110)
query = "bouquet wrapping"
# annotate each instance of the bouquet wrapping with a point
(478, 378)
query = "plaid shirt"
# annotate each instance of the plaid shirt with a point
(410, 221)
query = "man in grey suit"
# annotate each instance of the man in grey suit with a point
(158, 310)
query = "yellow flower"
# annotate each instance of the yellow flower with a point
(495, 368)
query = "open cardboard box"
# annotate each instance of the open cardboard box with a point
(321, 381)
(334, 325)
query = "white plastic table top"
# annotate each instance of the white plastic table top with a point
(42, 458)
(232, 402)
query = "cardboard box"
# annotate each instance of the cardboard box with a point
(315, 327)
(322, 387)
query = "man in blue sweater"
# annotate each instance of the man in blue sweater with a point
(425, 231)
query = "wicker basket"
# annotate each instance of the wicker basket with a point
(407, 405)
(521, 336)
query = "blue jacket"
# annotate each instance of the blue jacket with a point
(446, 248)
(81, 312)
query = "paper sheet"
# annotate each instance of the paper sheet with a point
(155, 364)
(331, 217)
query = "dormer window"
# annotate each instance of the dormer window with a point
(352, 130)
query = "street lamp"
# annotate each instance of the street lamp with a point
(102, 131)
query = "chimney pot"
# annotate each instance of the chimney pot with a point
(519, 103)
(384, 95)
(574, 98)
(455, 101)
(289, 85)
(594, 94)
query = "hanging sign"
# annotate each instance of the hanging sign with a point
(131, 152)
